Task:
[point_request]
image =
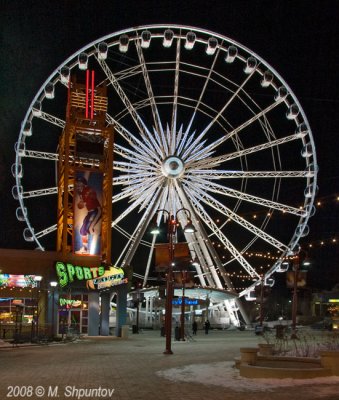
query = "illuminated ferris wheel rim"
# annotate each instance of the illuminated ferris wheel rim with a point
(202, 36)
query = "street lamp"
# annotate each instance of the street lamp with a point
(37, 279)
(182, 315)
(296, 268)
(53, 285)
(172, 225)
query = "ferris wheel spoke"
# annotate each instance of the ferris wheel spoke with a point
(46, 231)
(210, 201)
(39, 192)
(156, 116)
(136, 186)
(219, 114)
(132, 155)
(43, 155)
(129, 167)
(138, 201)
(235, 131)
(50, 118)
(222, 174)
(141, 227)
(215, 161)
(223, 239)
(138, 145)
(139, 191)
(130, 179)
(188, 148)
(175, 138)
(224, 190)
(205, 244)
(143, 131)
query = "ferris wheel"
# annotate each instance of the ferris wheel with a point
(201, 123)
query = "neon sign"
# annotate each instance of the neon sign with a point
(96, 277)
(22, 281)
(68, 273)
(69, 303)
(113, 277)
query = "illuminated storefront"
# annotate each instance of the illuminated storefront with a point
(78, 301)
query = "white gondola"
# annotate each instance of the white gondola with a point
(17, 171)
(267, 79)
(281, 93)
(36, 110)
(21, 214)
(27, 128)
(311, 170)
(168, 38)
(212, 45)
(17, 192)
(310, 210)
(28, 235)
(269, 281)
(301, 130)
(292, 112)
(145, 39)
(123, 43)
(303, 230)
(83, 61)
(283, 266)
(307, 150)
(308, 193)
(232, 52)
(49, 91)
(65, 75)
(102, 51)
(250, 296)
(251, 64)
(190, 40)
(20, 148)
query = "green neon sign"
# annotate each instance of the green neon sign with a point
(68, 273)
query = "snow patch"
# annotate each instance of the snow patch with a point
(224, 374)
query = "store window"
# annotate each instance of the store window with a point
(73, 314)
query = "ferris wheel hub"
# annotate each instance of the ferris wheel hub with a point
(173, 167)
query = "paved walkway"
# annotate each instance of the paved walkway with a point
(137, 369)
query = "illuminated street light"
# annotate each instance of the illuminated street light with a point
(172, 225)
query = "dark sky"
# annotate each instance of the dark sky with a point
(300, 39)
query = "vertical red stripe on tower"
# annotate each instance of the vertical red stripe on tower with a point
(87, 90)
(92, 99)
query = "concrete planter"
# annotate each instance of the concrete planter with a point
(330, 359)
(248, 355)
(266, 349)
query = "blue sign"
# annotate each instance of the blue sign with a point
(188, 302)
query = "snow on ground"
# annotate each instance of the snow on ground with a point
(224, 374)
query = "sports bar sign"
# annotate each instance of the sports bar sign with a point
(95, 277)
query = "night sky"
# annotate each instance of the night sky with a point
(300, 39)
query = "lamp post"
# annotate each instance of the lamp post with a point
(37, 279)
(182, 315)
(295, 297)
(296, 269)
(53, 285)
(261, 315)
(172, 225)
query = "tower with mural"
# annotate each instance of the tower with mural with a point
(85, 169)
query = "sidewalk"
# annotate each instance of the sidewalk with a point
(137, 369)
